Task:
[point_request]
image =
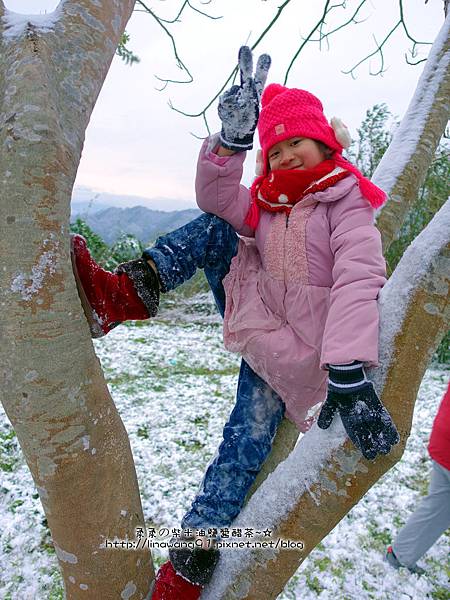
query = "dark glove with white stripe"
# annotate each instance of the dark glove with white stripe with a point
(239, 106)
(366, 421)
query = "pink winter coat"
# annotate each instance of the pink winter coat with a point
(302, 290)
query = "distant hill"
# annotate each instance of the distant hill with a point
(86, 199)
(144, 223)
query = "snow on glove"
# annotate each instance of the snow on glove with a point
(239, 106)
(366, 421)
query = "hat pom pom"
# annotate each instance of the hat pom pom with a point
(271, 91)
(341, 132)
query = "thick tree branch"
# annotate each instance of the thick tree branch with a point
(403, 167)
(98, 27)
(51, 384)
(315, 487)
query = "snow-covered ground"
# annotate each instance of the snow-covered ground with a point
(174, 386)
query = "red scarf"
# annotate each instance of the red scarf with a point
(280, 190)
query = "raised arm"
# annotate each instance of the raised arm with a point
(220, 162)
(218, 188)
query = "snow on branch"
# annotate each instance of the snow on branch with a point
(407, 136)
(418, 264)
(324, 476)
(15, 25)
(403, 167)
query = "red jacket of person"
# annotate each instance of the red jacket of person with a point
(439, 445)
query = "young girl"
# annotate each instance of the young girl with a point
(300, 300)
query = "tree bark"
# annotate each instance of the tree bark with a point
(52, 387)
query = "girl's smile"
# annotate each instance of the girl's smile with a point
(295, 153)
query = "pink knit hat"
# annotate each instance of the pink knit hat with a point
(290, 112)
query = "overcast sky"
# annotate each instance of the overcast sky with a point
(136, 145)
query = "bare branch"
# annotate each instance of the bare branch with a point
(203, 112)
(326, 10)
(324, 35)
(176, 19)
(379, 49)
(417, 62)
(179, 62)
(161, 22)
(352, 19)
(408, 35)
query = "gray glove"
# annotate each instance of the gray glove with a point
(239, 106)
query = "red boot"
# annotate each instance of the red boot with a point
(130, 292)
(170, 586)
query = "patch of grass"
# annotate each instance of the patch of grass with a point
(133, 324)
(122, 379)
(398, 521)
(46, 542)
(8, 450)
(440, 593)
(159, 387)
(56, 592)
(341, 568)
(15, 578)
(142, 432)
(368, 587)
(180, 369)
(200, 420)
(15, 505)
(314, 584)
(438, 566)
(192, 445)
(378, 538)
(322, 563)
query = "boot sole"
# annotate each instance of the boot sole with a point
(94, 325)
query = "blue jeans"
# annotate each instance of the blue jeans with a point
(210, 243)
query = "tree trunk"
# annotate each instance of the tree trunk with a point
(52, 387)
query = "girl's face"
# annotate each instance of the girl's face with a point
(295, 153)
